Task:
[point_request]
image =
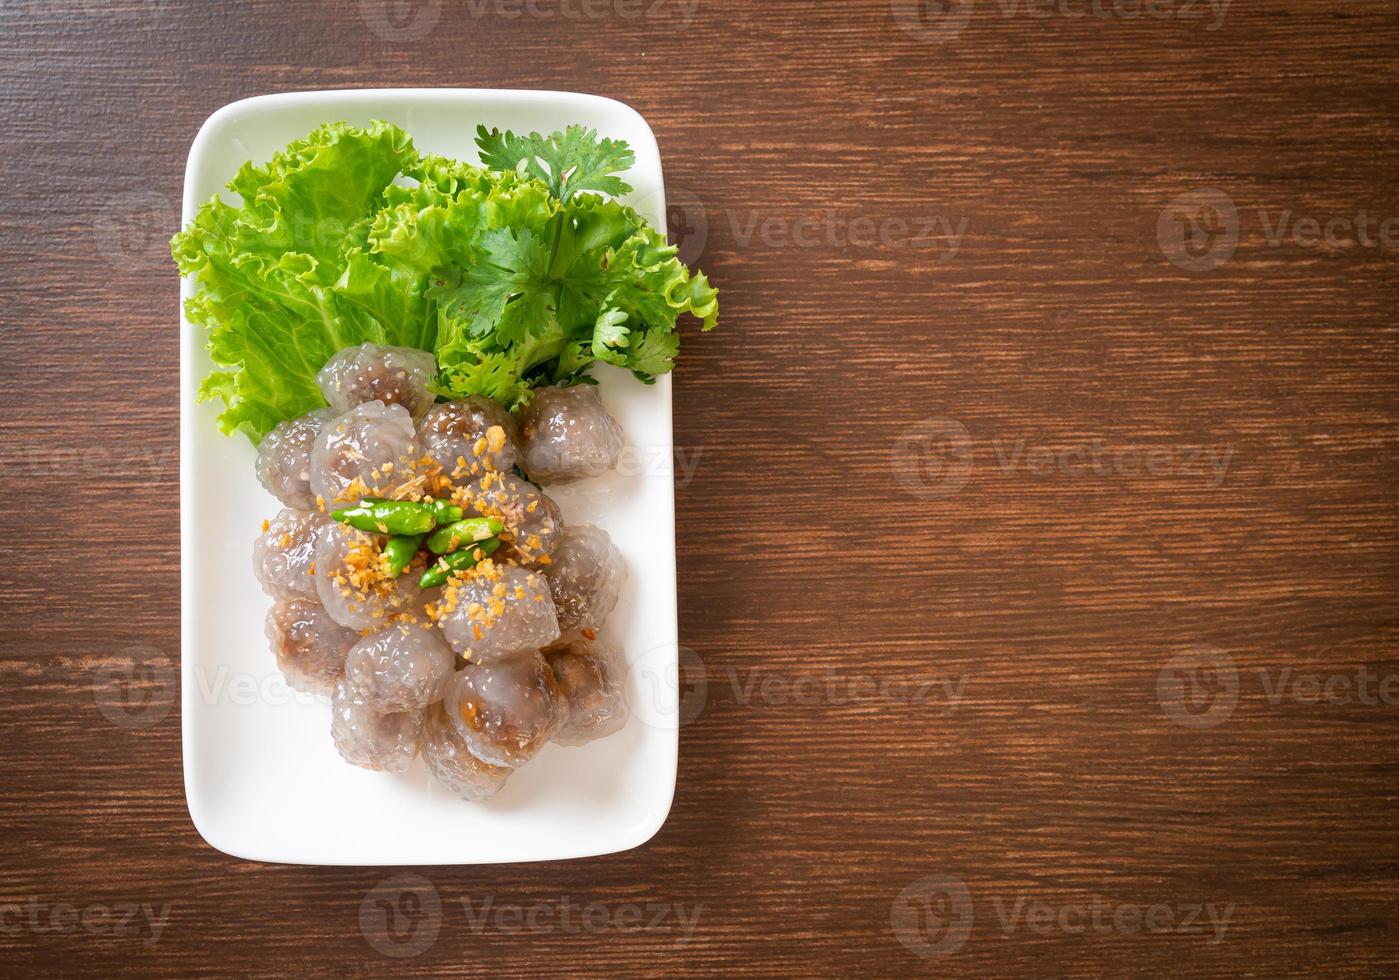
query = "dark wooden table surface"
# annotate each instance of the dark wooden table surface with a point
(1038, 559)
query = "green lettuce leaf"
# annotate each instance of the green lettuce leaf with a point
(284, 280)
(514, 274)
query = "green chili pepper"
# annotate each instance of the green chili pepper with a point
(399, 552)
(388, 517)
(439, 571)
(453, 536)
(444, 512)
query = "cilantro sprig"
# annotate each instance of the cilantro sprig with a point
(520, 272)
(574, 160)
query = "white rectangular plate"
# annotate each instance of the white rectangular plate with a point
(262, 778)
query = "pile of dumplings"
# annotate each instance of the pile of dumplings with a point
(477, 675)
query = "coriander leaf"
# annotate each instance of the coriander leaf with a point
(568, 162)
(653, 354)
(610, 331)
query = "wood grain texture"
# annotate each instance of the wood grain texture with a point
(945, 291)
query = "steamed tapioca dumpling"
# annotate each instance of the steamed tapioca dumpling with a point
(450, 762)
(586, 575)
(498, 611)
(461, 431)
(566, 434)
(506, 711)
(362, 449)
(369, 738)
(285, 552)
(353, 587)
(531, 518)
(371, 373)
(590, 676)
(310, 647)
(284, 458)
(401, 667)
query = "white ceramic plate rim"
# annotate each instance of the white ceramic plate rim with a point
(663, 657)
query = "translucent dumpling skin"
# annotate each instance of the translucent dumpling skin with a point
(371, 373)
(566, 434)
(284, 553)
(400, 668)
(531, 518)
(369, 738)
(460, 431)
(310, 647)
(450, 762)
(500, 612)
(284, 458)
(354, 599)
(505, 711)
(585, 576)
(367, 440)
(590, 676)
